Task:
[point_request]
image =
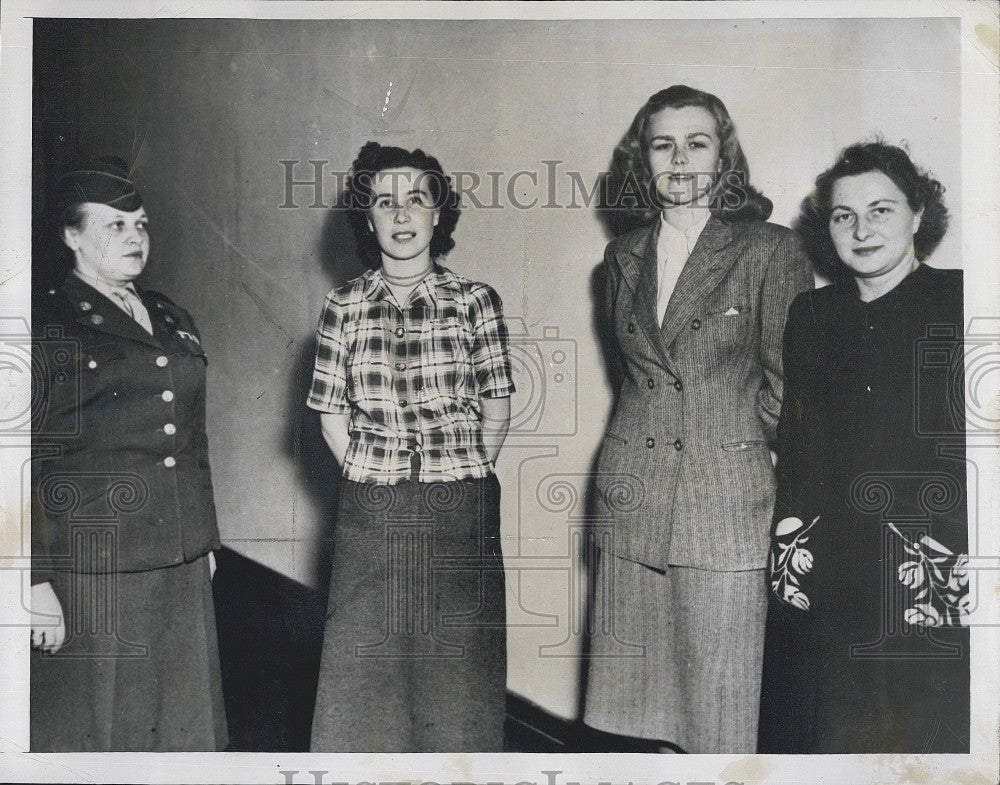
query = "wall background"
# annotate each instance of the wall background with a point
(209, 109)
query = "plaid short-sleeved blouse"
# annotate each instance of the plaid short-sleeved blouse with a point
(412, 379)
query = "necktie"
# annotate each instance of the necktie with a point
(132, 305)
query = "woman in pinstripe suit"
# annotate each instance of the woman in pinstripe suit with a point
(697, 299)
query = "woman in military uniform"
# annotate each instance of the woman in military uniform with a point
(123, 627)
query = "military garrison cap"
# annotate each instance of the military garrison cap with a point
(104, 180)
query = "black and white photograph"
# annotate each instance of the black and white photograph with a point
(512, 393)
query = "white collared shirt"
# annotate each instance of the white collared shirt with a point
(673, 247)
(116, 293)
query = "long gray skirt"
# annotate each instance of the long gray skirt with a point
(676, 656)
(414, 651)
(139, 671)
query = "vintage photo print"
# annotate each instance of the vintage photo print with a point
(510, 392)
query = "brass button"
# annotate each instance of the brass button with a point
(161, 361)
(96, 318)
(85, 306)
(170, 462)
(170, 429)
(167, 395)
(92, 364)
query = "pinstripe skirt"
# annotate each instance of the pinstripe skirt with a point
(676, 656)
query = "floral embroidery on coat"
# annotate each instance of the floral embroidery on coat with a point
(790, 561)
(940, 578)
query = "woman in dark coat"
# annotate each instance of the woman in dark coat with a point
(123, 526)
(697, 299)
(865, 648)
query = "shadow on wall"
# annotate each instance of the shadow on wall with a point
(271, 627)
(318, 471)
(615, 222)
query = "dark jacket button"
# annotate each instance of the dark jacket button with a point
(400, 332)
(678, 445)
(650, 442)
(678, 386)
(650, 384)
(695, 324)
(631, 327)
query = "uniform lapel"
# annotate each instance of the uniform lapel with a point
(99, 313)
(168, 324)
(711, 258)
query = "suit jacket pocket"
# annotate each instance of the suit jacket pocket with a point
(755, 444)
(728, 312)
(727, 335)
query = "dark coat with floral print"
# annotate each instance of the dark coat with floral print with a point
(869, 581)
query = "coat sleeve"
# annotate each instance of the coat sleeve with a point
(50, 416)
(796, 431)
(612, 280)
(788, 273)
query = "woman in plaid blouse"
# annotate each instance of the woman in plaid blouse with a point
(412, 379)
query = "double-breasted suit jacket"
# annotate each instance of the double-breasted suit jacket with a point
(684, 472)
(119, 435)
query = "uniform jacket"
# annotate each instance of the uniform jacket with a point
(684, 474)
(120, 476)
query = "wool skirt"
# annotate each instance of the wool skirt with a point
(139, 671)
(414, 651)
(676, 656)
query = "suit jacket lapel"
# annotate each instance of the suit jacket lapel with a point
(711, 258)
(99, 313)
(638, 266)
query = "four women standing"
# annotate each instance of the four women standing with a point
(412, 379)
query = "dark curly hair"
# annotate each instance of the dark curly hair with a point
(359, 197)
(922, 192)
(631, 187)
